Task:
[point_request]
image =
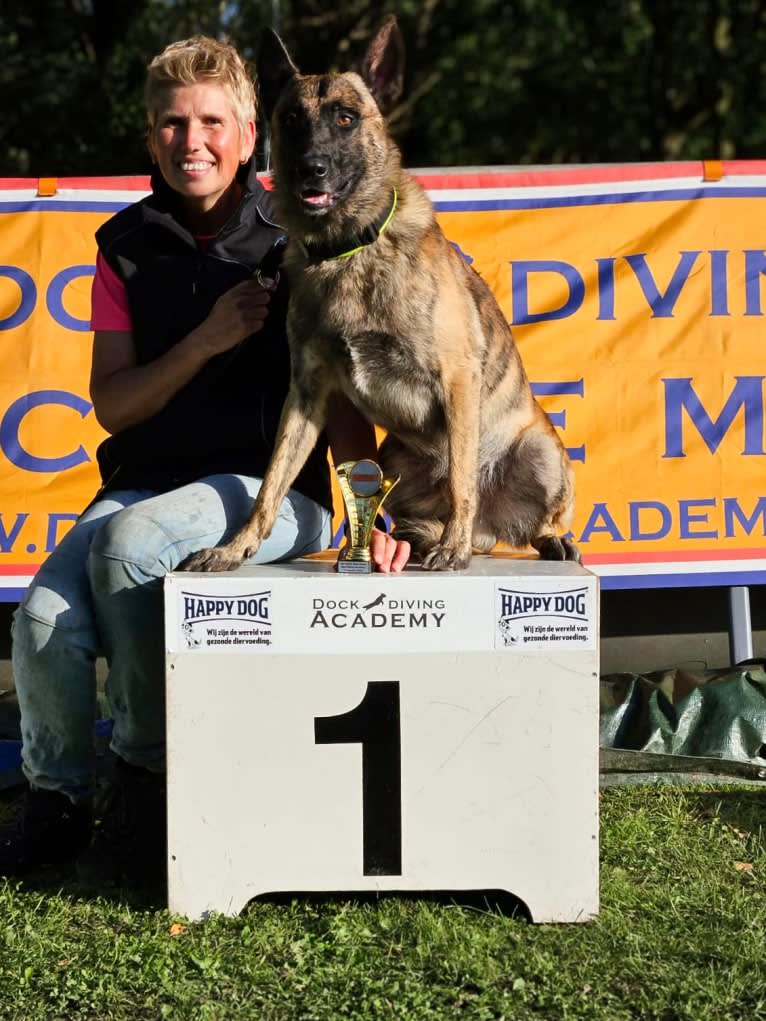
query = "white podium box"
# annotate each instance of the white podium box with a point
(422, 731)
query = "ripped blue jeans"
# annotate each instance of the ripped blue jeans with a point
(100, 594)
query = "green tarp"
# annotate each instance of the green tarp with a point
(682, 724)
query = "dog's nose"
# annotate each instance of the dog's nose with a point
(313, 166)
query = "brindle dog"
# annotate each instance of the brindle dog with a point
(384, 309)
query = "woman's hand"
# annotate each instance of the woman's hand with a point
(389, 555)
(240, 311)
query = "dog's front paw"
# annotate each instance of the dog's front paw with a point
(218, 558)
(446, 558)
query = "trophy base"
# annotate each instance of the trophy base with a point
(355, 567)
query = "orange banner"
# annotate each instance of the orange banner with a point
(636, 298)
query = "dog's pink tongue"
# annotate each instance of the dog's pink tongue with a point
(318, 198)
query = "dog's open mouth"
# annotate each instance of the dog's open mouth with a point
(318, 201)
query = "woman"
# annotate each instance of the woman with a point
(190, 369)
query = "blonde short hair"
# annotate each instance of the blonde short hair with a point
(196, 60)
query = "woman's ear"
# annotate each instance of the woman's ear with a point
(248, 142)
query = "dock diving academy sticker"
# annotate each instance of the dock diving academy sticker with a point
(545, 616)
(230, 621)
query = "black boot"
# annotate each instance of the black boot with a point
(129, 833)
(42, 828)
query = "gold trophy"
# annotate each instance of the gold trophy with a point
(363, 489)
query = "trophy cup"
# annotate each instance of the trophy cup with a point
(363, 489)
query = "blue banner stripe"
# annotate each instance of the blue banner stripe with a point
(704, 579)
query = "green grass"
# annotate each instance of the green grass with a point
(680, 936)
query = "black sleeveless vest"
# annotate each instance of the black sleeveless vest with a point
(225, 419)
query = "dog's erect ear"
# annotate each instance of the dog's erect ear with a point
(383, 64)
(274, 69)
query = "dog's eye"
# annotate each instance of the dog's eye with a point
(290, 119)
(344, 119)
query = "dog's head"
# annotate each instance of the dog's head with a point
(331, 149)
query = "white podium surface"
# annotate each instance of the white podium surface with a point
(422, 731)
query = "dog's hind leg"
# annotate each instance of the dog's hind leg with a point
(484, 538)
(553, 540)
(529, 498)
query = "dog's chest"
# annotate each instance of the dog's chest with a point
(382, 375)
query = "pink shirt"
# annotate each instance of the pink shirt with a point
(108, 299)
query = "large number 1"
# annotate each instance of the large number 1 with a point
(374, 724)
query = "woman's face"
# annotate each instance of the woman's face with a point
(197, 143)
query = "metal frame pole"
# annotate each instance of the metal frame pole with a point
(740, 627)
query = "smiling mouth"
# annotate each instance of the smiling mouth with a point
(194, 166)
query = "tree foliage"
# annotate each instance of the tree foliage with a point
(488, 82)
